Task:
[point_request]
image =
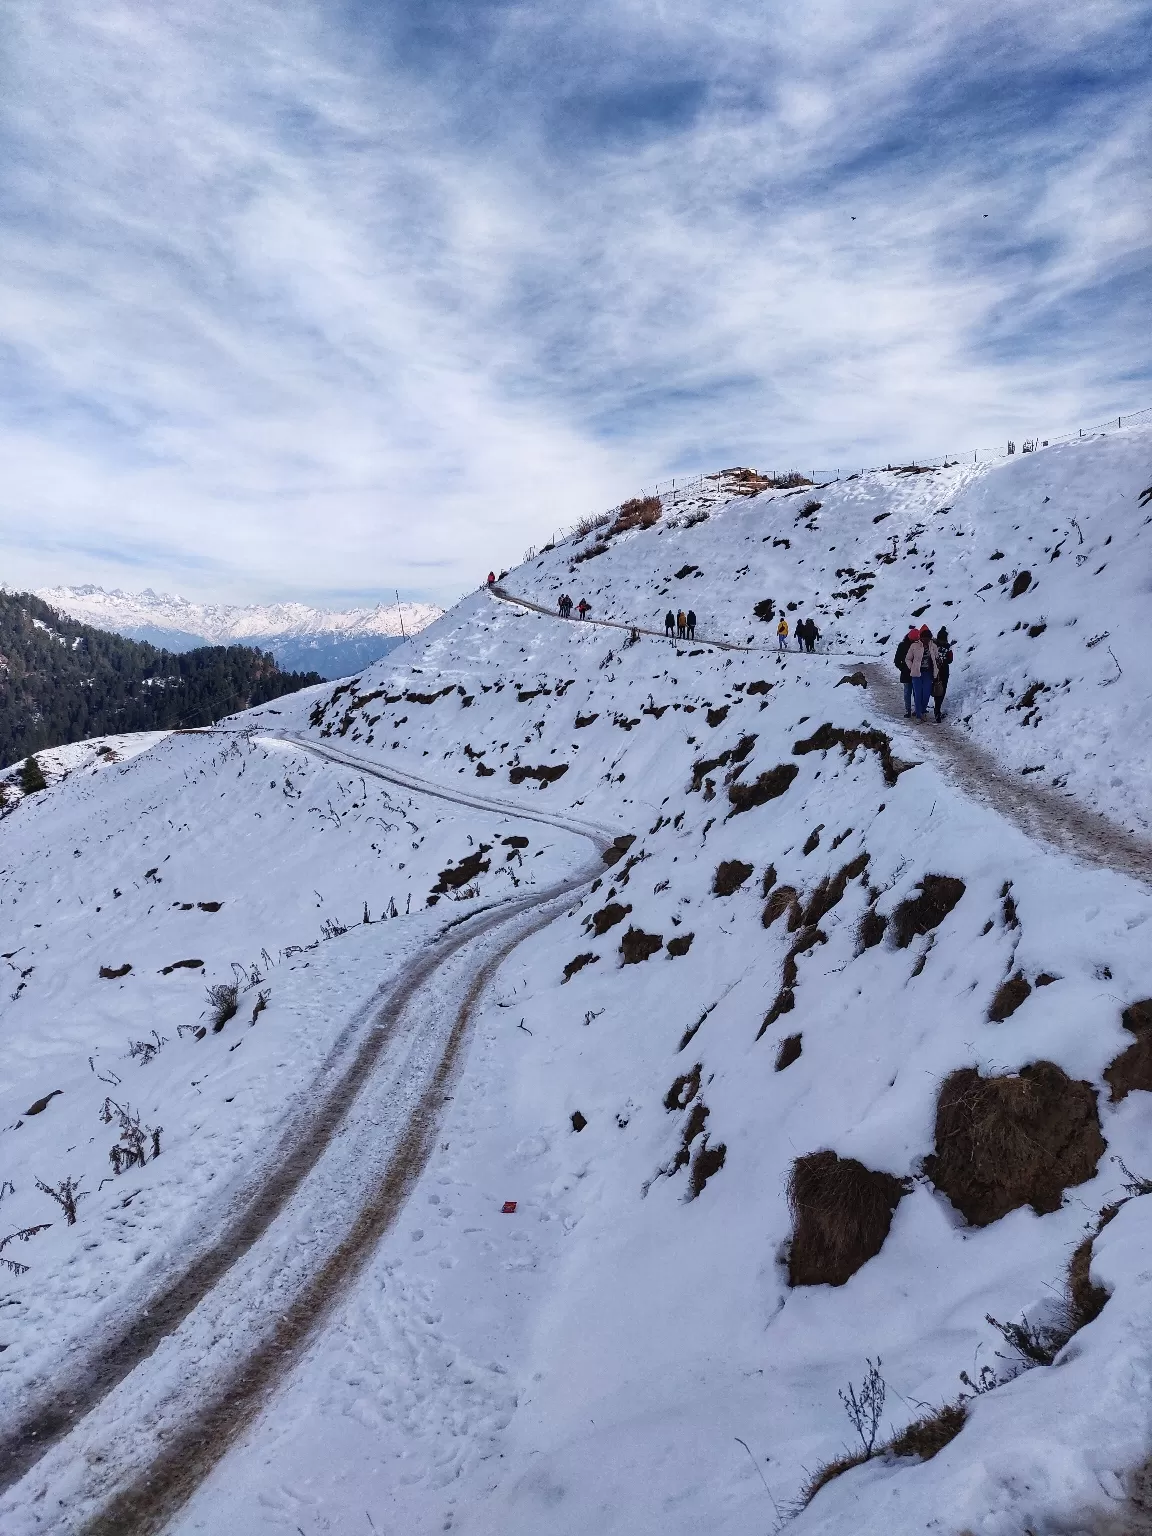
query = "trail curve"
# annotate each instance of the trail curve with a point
(394, 1077)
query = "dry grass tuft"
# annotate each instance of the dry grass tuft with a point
(1012, 1140)
(1133, 1067)
(640, 512)
(938, 894)
(769, 786)
(636, 945)
(829, 736)
(841, 1214)
(1009, 995)
(730, 876)
(931, 1433)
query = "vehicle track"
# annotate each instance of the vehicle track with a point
(1042, 813)
(148, 1498)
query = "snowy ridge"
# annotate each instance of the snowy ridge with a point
(224, 624)
(741, 986)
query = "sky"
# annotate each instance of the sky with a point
(320, 300)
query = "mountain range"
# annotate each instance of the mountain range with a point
(300, 637)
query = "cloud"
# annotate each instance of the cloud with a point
(298, 296)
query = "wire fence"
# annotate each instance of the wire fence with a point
(681, 491)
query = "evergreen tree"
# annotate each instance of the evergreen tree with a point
(63, 681)
(32, 777)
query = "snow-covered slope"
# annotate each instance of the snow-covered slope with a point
(623, 1349)
(302, 638)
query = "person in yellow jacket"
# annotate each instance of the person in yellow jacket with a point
(782, 633)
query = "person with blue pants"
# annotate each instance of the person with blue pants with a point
(923, 663)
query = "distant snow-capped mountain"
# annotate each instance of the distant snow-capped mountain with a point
(301, 638)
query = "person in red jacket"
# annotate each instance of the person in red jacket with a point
(491, 578)
(583, 607)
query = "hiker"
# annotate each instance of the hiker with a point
(801, 633)
(812, 636)
(691, 629)
(944, 662)
(583, 607)
(900, 661)
(782, 634)
(923, 663)
(561, 606)
(491, 578)
(669, 623)
(681, 624)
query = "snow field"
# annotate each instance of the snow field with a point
(592, 1357)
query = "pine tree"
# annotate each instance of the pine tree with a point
(32, 778)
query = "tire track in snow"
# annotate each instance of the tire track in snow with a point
(150, 1497)
(1042, 813)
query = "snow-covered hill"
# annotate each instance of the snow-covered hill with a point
(301, 638)
(809, 924)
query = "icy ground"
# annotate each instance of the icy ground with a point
(622, 1351)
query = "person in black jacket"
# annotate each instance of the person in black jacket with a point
(669, 623)
(905, 675)
(940, 686)
(691, 617)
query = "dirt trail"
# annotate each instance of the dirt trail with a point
(1044, 814)
(150, 1497)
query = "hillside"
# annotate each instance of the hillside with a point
(679, 928)
(62, 681)
(334, 644)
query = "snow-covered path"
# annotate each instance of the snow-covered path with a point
(341, 1171)
(1049, 816)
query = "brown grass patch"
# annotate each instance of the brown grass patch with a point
(829, 736)
(547, 773)
(768, 786)
(871, 930)
(607, 917)
(932, 1433)
(707, 765)
(791, 1049)
(1012, 1140)
(680, 945)
(782, 900)
(578, 964)
(830, 890)
(620, 846)
(636, 945)
(730, 876)
(1133, 1067)
(1085, 1299)
(938, 894)
(841, 1214)
(639, 512)
(1009, 996)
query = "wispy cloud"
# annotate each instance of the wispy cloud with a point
(298, 296)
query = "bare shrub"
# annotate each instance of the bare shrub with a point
(67, 1196)
(1012, 1140)
(143, 1051)
(222, 1003)
(587, 524)
(730, 876)
(1009, 995)
(1034, 1343)
(919, 914)
(841, 1214)
(768, 786)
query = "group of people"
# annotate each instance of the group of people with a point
(923, 664)
(583, 607)
(806, 635)
(683, 623)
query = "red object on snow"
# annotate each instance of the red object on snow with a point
(508, 1208)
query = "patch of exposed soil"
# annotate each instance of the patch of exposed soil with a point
(1015, 1139)
(841, 1214)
